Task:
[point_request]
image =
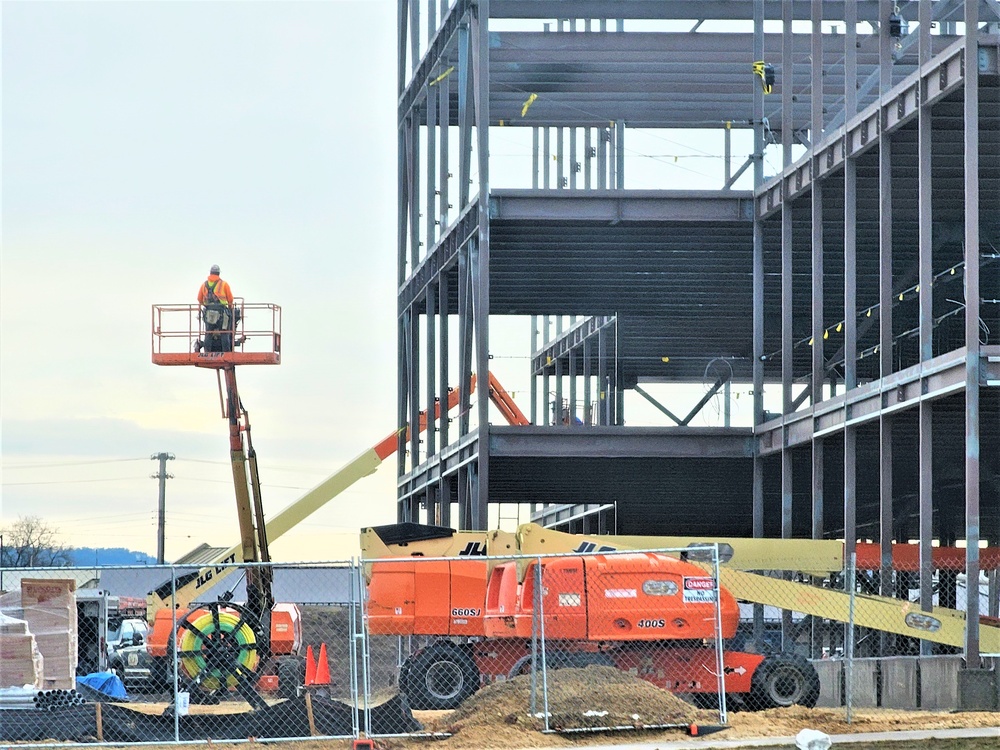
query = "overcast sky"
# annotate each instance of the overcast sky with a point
(143, 142)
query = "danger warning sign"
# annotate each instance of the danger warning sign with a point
(699, 589)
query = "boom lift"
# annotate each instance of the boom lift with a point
(446, 673)
(646, 613)
(268, 634)
(222, 644)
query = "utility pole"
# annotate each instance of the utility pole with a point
(161, 522)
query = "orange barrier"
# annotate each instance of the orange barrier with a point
(322, 667)
(310, 666)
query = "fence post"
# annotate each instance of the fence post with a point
(719, 655)
(849, 646)
(358, 617)
(539, 608)
(173, 647)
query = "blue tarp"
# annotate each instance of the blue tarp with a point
(104, 682)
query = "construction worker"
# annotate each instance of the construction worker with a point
(218, 313)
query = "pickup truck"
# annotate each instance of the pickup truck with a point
(127, 655)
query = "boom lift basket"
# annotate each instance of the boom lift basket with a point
(180, 335)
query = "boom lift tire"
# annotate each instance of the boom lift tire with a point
(439, 677)
(783, 680)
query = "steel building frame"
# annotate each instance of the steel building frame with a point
(845, 271)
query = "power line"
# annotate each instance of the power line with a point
(71, 463)
(69, 481)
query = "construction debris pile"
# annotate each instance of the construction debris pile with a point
(593, 698)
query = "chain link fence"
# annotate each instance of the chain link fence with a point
(416, 646)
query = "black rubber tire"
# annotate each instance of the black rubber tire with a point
(440, 677)
(291, 674)
(783, 680)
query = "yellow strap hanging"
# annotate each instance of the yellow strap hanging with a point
(441, 77)
(766, 72)
(527, 104)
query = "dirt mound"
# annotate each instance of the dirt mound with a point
(588, 698)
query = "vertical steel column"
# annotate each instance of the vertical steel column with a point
(572, 159)
(588, 157)
(444, 419)
(444, 120)
(619, 388)
(816, 93)
(886, 515)
(431, 233)
(464, 120)
(787, 86)
(402, 215)
(430, 332)
(602, 377)
(481, 71)
(787, 373)
(557, 404)
(402, 14)
(413, 418)
(850, 280)
(588, 417)
(926, 317)
(414, 34)
(727, 166)
(620, 154)
(572, 385)
(560, 161)
(534, 158)
(464, 338)
(545, 374)
(972, 345)
(546, 158)
(534, 372)
(602, 158)
(757, 372)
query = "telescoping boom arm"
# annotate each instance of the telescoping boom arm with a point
(190, 587)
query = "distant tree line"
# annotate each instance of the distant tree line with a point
(29, 542)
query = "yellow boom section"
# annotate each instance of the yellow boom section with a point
(189, 587)
(941, 625)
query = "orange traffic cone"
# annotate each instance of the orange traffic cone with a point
(322, 667)
(310, 666)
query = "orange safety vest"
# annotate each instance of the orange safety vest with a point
(215, 287)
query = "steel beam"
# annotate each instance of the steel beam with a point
(943, 75)
(415, 88)
(942, 376)
(617, 206)
(726, 10)
(621, 442)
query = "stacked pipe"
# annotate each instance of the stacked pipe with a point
(15, 697)
(53, 700)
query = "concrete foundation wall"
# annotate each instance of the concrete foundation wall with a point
(939, 682)
(863, 675)
(830, 682)
(899, 682)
